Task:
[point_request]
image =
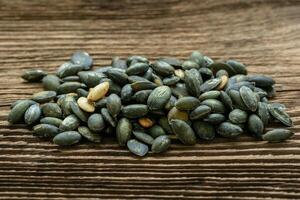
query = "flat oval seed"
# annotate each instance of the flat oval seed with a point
(68, 87)
(193, 81)
(263, 113)
(142, 96)
(164, 123)
(183, 131)
(91, 78)
(96, 122)
(135, 110)
(255, 126)
(136, 59)
(237, 66)
(146, 122)
(85, 105)
(218, 66)
(33, 75)
(189, 64)
(143, 85)
(78, 112)
(126, 93)
(238, 116)
(107, 117)
(204, 130)
(51, 110)
(277, 135)
(156, 131)
(137, 147)
(51, 82)
(215, 105)
(133, 79)
(32, 114)
(83, 59)
(206, 73)
(225, 98)
(224, 81)
(82, 92)
(187, 103)
(117, 62)
(123, 131)
(261, 80)
(214, 94)
(71, 78)
(70, 123)
(171, 80)
(179, 73)
(66, 104)
(163, 68)
(200, 112)
(117, 75)
(143, 137)
(171, 61)
(98, 92)
(229, 130)
(174, 113)
(159, 97)
(51, 120)
(160, 144)
(44, 96)
(137, 68)
(68, 69)
(210, 84)
(113, 105)
(280, 115)
(148, 74)
(45, 130)
(67, 138)
(197, 57)
(249, 98)
(215, 118)
(89, 135)
(237, 100)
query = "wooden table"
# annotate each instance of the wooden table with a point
(265, 35)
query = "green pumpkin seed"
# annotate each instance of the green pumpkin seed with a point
(189, 64)
(237, 100)
(113, 105)
(221, 73)
(83, 59)
(171, 103)
(171, 80)
(207, 61)
(123, 131)
(96, 122)
(159, 97)
(183, 131)
(238, 116)
(263, 113)
(101, 103)
(229, 130)
(271, 91)
(206, 73)
(135, 110)
(277, 135)
(45, 130)
(210, 84)
(89, 135)
(249, 98)
(164, 123)
(78, 112)
(51, 110)
(33, 75)
(51, 120)
(32, 114)
(214, 94)
(68, 87)
(187, 103)
(51, 82)
(67, 138)
(171, 61)
(116, 62)
(261, 80)
(143, 85)
(280, 115)
(160, 144)
(204, 130)
(197, 57)
(174, 113)
(82, 92)
(218, 66)
(215, 105)
(143, 137)
(156, 131)
(162, 68)
(200, 112)
(71, 78)
(19, 101)
(226, 100)
(148, 74)
(107, 117)
(91, 78)
(70, 123)
(193, 81)
(255, 126)
(68, 69)
(117, 75)
(157, 80)
(137, 147)
(137, 68)
(142, 96)
(66, 104)
(44, 96)
(179, 90)
(215, 118)
(133, 79)
(237, 66)
(126, 93)
(136, 59)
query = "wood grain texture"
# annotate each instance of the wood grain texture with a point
(265, 35)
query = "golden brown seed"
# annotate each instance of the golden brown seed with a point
(179, 73)
(86, 105)
(146, 122)
(174, 113)
(224, 80)
(98, 92)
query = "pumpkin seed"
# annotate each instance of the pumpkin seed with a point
(213, 94)
(90, 78)
(160, 144)
(179, 73)
(32, 114)
(261, 80)
(207, 61)
(117, 62)
(51, 120)
(156, 131)
(249, 98)
(113, 105)
(117, 75)
(83, 59)
(277, 135)
(96, 122)
(229, 130)
(221, 73)
(206, 73)
(51, 110)
(33, 75)
(142, 96)
(67, 138)
(107, 117)
(187, 103)
(171, 61)
(237, 100)
(101, 103)
(143, 85)
(204, 130)
(71, 78)
(86, 105)
(215, 105)
(224, 81)
(132, 79)
(143, 137)
(200, 112)
(215, 118)
(126, 93)
(45, 130)
(174, 113)
(137, 147)
(171, 80)
(89, 135)
(193, 81)
(136, 59)
(137, 68)
(68, 87)
(44, 96)
(78, 112)
(162, 68)
(123, 131)
(189, 64)
(179, 90)
(183, 132)
(237, 66)
(197, 57)
(134, 110)
(164, 123)
(218, 66)
(280, 115)
(226, 100)
(255, 126)
(68, 69)
(210, 84)
(66, 104)
(148, 74)
(98, 92)
(51, 82)
(263, 113)
(146, 122)
(159, 97)
(238, 116)
(70, 123)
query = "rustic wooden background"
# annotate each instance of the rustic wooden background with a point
(265, 35)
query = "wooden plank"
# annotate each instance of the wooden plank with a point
(41, 34)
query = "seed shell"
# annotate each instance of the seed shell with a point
(33, 75)
(86, 105)
(68, 87)
(70, 123)
(215, 118)
(255, 126)
(32, 114)
(162, 68)
(200, 112)
(89, 135)
(83, 59)
(44, 96)
(98, 92)
(214, 94)
(156, 131)
(143, 137)
(193, 81)
(142, 96)
(96, 122)
(123, 131)
(280, 115)
(183, 131)
(51, 82)
(143, 85)
(51, 120)
(160, 144)
(238, 116)
(117, 75)
(210, 84)
(137, 68)
(107, 117)
(277, 135)
(174, 113)
(78, 112)
(134, 110)
(67, 138)
(159, 97)
(204, 130)
(45, 130)
(248, 97)
(229, 130)
(187, 103)
(51, 110)
(113, 105)
(137, 148)
(215, 105)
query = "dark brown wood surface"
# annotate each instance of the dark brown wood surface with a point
(265, 35)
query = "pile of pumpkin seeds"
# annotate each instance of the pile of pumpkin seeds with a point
(143, 105)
